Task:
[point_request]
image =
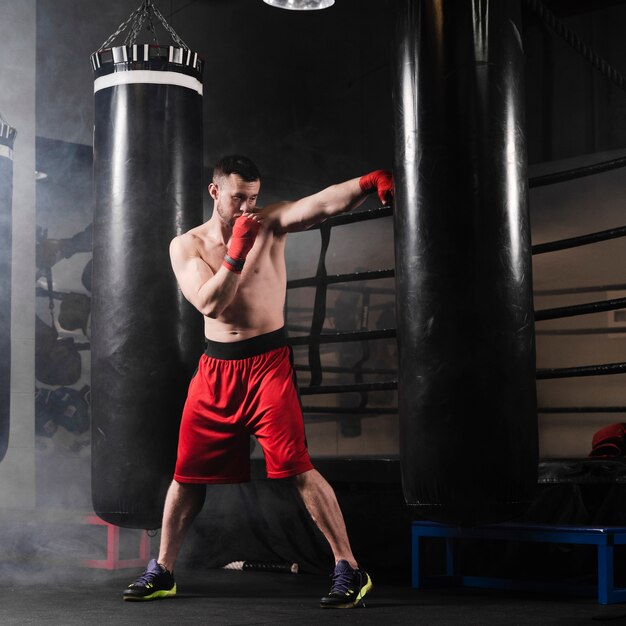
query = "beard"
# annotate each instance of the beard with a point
(225, 216)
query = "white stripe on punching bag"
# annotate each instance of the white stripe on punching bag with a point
(147, 76)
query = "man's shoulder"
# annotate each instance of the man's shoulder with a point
(192, 238)
(182, 241)
(188, 244)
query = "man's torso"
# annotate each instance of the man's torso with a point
(259, 302)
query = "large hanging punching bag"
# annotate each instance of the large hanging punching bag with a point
(467, 393)
(7, 138)
(146, 338)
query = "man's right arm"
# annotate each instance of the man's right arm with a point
(210, 292)
(304, 213)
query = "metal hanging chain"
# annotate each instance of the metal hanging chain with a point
(131, 37)
(169, 29)
(122, 27)
(136, 21)
(580, 46)
(135, 28)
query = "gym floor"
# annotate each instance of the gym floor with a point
(234, 598)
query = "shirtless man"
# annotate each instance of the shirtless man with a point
(232, 269)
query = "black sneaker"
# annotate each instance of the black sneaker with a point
(348, 589)
(156, 582)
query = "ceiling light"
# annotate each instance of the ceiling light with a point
(300, 5)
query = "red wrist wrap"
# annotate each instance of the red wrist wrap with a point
(233, 265)
(244, 234)
(380, 181)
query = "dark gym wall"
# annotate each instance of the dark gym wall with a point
(572, 108)
(309, 93)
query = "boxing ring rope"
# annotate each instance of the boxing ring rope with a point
(582, 240)
(341, 337)
(570, 290)
(316, 338)
(577, 290)
(582, 309)
(578, 172)
(339, 278)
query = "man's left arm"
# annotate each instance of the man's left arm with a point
(340, 198)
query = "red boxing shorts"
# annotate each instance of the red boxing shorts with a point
(240, 389)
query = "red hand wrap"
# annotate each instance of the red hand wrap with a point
(244, 234)
(380, 181)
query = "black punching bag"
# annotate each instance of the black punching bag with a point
(467, 392)
(146, 338)
(7, 137)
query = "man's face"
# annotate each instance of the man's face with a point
(234, 196)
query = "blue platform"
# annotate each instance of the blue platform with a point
(604, 538)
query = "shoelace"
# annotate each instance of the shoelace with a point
(342, 581)
(147, 578)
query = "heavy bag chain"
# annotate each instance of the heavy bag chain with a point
(136, 20)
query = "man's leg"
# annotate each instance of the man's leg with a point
(321, 502)
(182, 503)
(350, 583)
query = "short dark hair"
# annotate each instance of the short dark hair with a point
(236, 164)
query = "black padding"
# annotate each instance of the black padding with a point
(7, 138)
(146, 338)
(467, 393)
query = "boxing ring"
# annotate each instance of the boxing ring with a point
(314, 382)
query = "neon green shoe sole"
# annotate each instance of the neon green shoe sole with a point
(156, 595)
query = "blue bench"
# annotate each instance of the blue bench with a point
(604, 538)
